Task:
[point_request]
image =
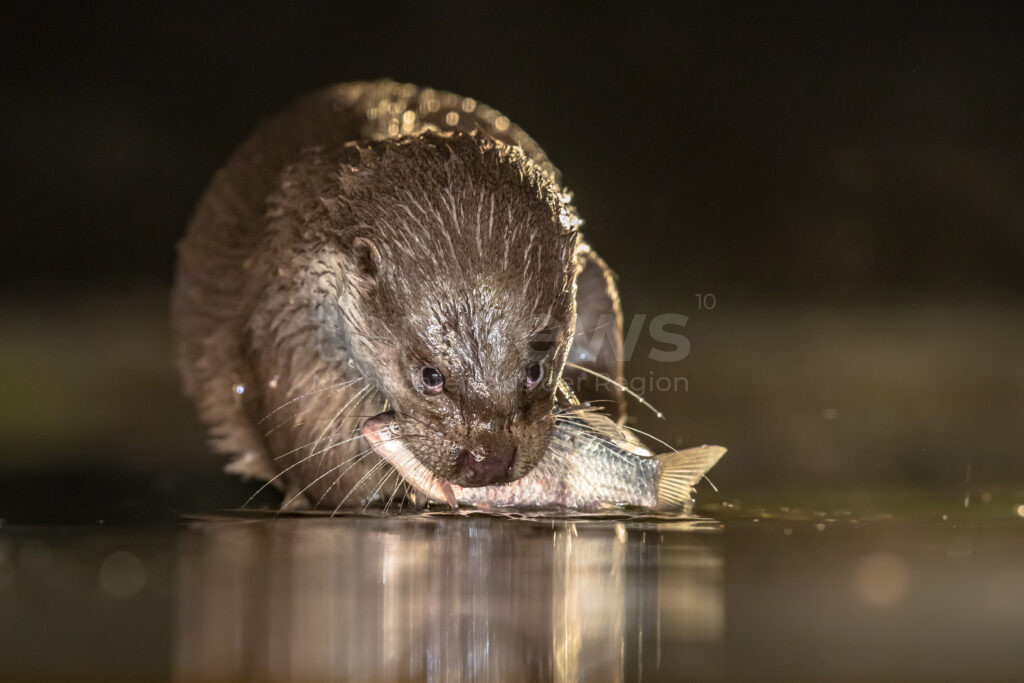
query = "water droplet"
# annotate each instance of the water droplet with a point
(452, 118)
(273, 382)
(1020, 510)
(502, 123)
(468, 105)
(819, 527)
(787, 531)
(239, 389)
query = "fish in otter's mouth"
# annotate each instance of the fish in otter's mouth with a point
(591, 464)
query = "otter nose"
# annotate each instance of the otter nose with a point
(488, 465)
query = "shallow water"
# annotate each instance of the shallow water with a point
(738, 593)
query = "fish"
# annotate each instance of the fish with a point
(592, 464)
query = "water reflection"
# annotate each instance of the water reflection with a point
(447, 598)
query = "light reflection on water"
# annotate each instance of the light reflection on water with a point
(447, 598)
(794, 593)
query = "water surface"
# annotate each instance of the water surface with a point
(737, 593)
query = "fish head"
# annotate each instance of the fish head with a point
(382, 433)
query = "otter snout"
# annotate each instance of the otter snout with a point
(486, 465)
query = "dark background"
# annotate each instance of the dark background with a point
(846, 180)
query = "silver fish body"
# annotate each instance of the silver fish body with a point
(591, 464)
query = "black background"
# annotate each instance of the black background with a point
(765, 149)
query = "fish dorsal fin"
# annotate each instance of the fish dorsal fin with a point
(680, 471)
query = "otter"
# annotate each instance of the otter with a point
(380, 247)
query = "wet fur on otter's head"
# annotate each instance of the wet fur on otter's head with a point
(454, 292)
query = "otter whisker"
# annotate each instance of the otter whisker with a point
(585, 418)
(383, 481)
(578, 409)
(333, 469)
(302, 411)
(276, 477)
(298, 398)
(358, 457)
(327, 448)
(355, 433)
(294, 464)
(375, 395)
(331, 422)
(379, 464)
(620, 385)
(650, 436)
(400, 484)
(592, 329)
(406, 487)
(312, 404)
(297, 448)
(335, 444)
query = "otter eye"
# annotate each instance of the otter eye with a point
(433, 380)
(534, 374)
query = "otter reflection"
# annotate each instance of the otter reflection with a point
(446, 598)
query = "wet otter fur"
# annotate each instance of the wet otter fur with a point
(380, 247)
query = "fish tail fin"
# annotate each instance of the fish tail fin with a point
(679, 473)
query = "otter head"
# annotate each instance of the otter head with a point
(458, 297)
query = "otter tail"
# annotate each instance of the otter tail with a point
(680, 471)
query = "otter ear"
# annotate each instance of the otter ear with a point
(365, 258)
